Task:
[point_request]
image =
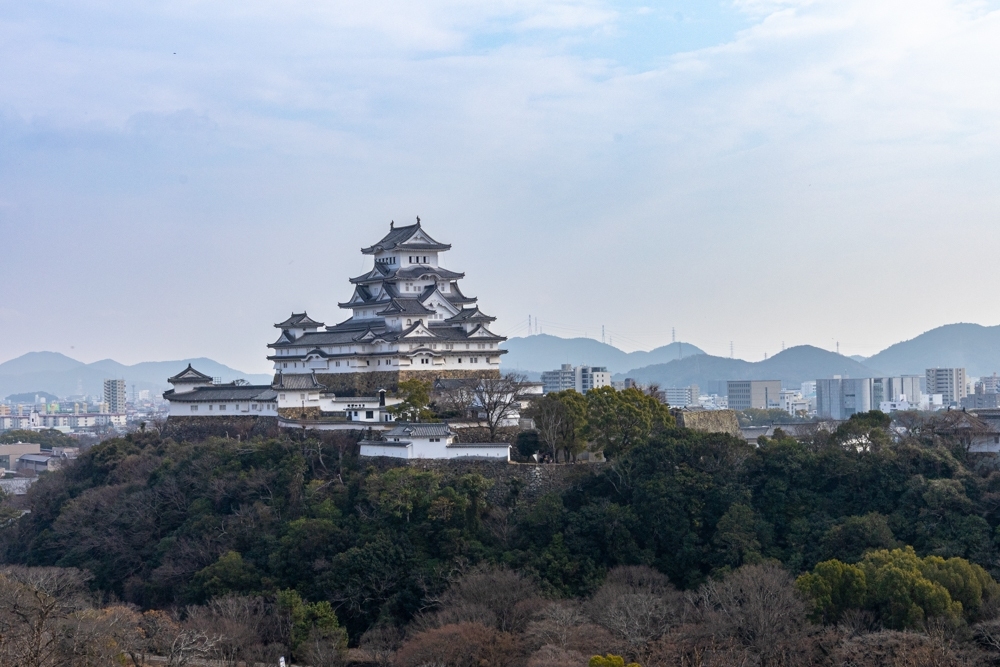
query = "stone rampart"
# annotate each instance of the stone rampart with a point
(195, 429)
(709, 421)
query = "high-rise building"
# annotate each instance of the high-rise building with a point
(114, 396)
(580, 378)
(839, 398)
(949, 382)
(988, 384)
(758, 394)
(894, 389)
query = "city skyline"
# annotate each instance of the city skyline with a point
(763, 173)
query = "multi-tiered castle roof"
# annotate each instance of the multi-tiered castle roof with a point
(408, 314)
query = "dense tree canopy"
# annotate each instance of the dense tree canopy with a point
(159, 523)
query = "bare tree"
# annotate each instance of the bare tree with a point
(460, 645)
(563, 625)
(637, 605)
(244, 627)
(33, 604)
(552, 419)
(380, 643)
(188, 646)
(495, 400)
(756, 606)
(491, 596)
(889, 648)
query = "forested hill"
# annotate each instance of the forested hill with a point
(161, 524)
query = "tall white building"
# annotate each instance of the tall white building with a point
(114, 396)
(839, 398)
(949, 382)
(579, 378)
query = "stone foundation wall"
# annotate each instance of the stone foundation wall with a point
(709, 421)
(368, 384)
(521, 481)
(300, 413)
(195, 429)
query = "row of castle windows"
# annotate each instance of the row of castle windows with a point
(388, 362)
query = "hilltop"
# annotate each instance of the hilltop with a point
(971, 346)
(792, 366)
(543, 352)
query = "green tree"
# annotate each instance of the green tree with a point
(736, 537)
(309, 622)
(901, 588)
(47, 438)
(416, 396)
(850, 539)
(609, 660)
(619, 420)
(229, 574)
(834, 587)
(561, 418)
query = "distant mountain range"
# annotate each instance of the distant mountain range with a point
(544, 353)
(792, 366)
(971, 346)
(55, 373)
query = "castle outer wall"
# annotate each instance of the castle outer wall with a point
(368, 384)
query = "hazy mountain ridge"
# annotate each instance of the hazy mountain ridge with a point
(974, 347)
(64, 376)
(792, 366)
(543, 352)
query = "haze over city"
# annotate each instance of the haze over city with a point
(175, 178)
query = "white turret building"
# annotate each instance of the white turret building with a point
(409, 319)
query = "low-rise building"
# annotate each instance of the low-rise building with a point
(295, 400)
(793, 402)
(10, 453)
(430, 441)
(195, 394)
(39, 462)
(981, 401)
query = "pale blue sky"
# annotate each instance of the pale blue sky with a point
(175, 177)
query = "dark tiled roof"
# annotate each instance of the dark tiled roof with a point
(352, 331)
(283, 381)
(189, 374)
(403, 306)
(223, 392)
(471, 315)
(456, 296)
(398, 237)
(419, 430)
(418, 270)
(298, 321)
(378, 273)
